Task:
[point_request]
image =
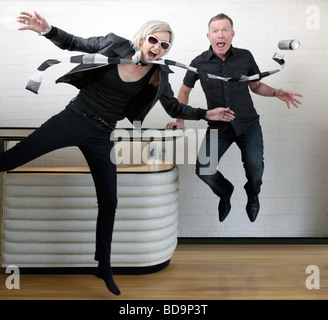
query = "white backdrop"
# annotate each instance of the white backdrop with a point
(294, 194)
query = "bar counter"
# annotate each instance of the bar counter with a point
(49, 213)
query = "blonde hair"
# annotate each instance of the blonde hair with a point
(149, 28)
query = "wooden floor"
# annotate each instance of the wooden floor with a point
(197, 272)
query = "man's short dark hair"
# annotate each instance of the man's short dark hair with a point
(221, 16)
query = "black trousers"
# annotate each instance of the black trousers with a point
(72, 127)
(214, 147)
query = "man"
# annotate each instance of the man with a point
(224, 60)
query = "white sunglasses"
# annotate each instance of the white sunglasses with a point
(165, 45)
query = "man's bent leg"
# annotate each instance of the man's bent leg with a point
(212, 149)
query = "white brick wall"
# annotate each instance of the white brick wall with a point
(294, 194)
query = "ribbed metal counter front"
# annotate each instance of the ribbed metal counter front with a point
(49, 218)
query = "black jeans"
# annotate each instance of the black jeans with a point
(213, 148)
(72, 127)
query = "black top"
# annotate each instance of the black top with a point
(234, 95)
(108, 96)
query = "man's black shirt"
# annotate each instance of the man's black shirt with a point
(234, 95)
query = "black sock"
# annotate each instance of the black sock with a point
(104, 271)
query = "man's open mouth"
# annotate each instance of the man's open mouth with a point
(220, 45)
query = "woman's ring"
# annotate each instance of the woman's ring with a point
(26, 21)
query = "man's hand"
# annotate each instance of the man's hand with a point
(179, 124)
(288, 97)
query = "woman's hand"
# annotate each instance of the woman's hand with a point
(220, 114)
(217, 114)
(33, 21)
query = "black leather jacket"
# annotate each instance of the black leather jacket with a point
(114, 46)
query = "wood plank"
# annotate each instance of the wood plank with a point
(197, 272)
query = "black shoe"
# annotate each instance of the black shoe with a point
(253, 207)
(225, 206)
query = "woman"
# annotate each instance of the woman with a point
(107, 94)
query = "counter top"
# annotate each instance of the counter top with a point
(120, 134)
(121, 168)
